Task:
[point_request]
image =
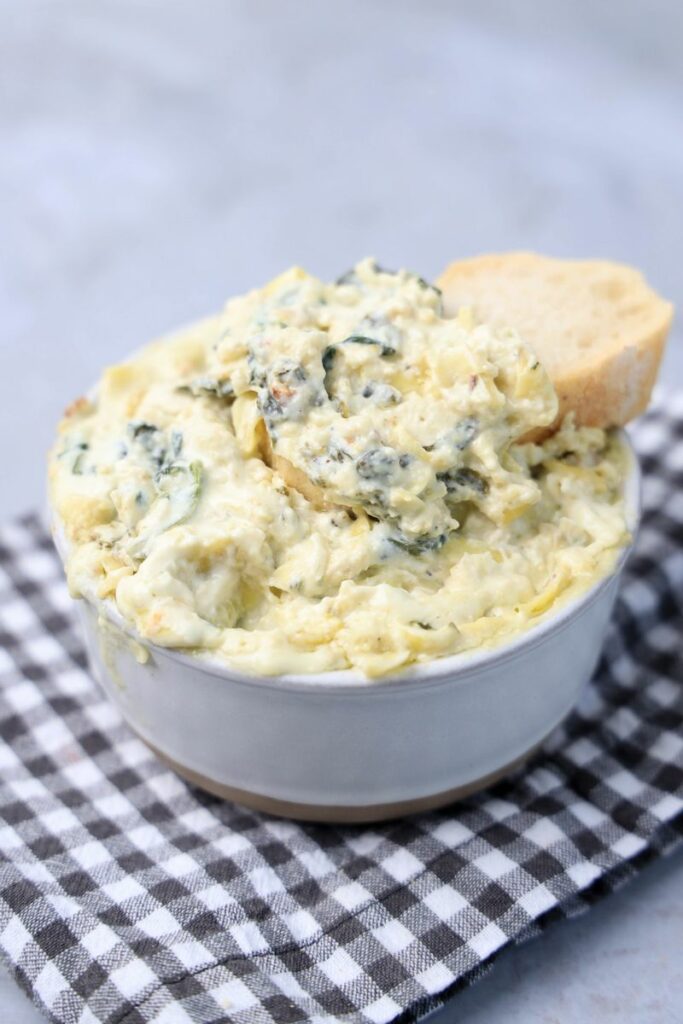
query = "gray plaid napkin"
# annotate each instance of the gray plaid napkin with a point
(128, 897)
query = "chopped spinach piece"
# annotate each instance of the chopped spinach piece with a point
(464, 483)
(382, 394)
(176, 443)
(329, 356)
(77, 464)
(179, 485)
(290, 373)
(377, 329)
(162, 449)
(337, 453)
(179, 471)
(381, 463)
(77, 453)
(182, 485)
(419, 545)
(351, 277)
(426, 285)
(362, 339)
(257, 375)
(142, 432)
(460, 437)
(209, 386)
(376, 464)
(348, 277)
(465, 432)
(152, 440)
(284, 390)
(270, 407)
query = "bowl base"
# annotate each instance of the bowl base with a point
(334, 814)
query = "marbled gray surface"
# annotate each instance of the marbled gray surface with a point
(158, 156)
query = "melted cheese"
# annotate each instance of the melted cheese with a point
(329, 476)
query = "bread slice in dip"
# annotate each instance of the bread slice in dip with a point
(596, 326)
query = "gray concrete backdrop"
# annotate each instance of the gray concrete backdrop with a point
(158, 156)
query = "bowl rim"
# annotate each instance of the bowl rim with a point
(449, 669)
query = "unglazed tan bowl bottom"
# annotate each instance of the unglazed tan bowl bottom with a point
(340, 815)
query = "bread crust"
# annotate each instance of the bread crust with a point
(611, 381)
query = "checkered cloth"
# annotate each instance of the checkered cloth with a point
(127, 897)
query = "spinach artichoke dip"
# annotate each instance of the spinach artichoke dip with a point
(331, 476)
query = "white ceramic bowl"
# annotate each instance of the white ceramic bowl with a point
(337, 747)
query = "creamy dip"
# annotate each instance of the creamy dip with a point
(329, 476)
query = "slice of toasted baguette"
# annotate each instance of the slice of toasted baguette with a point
(596, 326)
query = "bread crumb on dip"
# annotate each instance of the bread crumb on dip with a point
(332, 476)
